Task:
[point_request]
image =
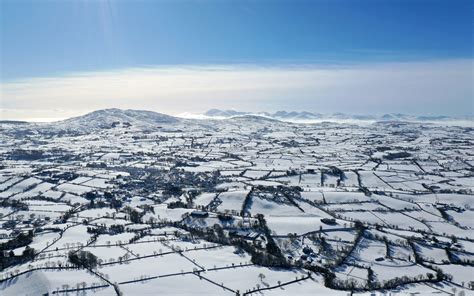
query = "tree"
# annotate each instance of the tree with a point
(83, 259)
(370, 278)
(29, 253)
(471, 285)
(135, 216)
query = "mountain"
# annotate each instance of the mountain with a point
(223, 113)
(114, 118)
(282, 115)
(294, 116)
(140, 120)
(13, 122)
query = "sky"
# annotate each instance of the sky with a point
(65, 58)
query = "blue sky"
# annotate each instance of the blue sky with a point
(59, 39)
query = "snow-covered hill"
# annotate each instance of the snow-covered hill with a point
(140, 120)
(114, 118)
(108, 117)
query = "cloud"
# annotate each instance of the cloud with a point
(429, 87)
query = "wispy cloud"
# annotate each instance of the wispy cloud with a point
(436, 87)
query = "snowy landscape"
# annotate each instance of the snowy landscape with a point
(127, 202)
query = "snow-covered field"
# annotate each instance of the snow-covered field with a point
(137, 203)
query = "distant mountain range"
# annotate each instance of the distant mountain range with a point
(308, 116)
(149, 120)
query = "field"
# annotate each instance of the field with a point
(239, 206)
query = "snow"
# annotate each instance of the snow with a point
(232, 200)
(44, 281)
(280, 169)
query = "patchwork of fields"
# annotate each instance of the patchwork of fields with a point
(239, 206)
